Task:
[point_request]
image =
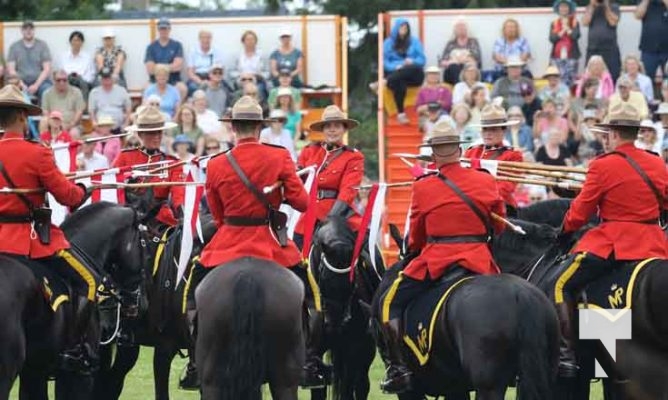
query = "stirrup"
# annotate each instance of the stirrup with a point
(314, 376)
(400, 383)
(189, 379)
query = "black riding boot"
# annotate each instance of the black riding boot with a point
(82, 357)
(315, 373)
(568, 366)
(398, 377)
(189, 378)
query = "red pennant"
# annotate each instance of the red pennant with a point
(366, 219)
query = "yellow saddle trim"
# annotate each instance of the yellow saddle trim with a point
(160, 250)
(423, 358)
(629, 288)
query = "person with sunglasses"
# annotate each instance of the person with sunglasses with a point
(218, 91)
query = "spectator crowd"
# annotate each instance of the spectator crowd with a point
(85, 94)
(557, 106)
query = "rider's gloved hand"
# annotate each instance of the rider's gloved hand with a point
(565, 239)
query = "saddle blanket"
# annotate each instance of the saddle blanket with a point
(614, 290)
(54, 289)
(420, 316)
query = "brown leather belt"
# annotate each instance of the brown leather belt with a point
(458, 239)
(327, 194)
(15, 219)
(245, 221)
(645, 222)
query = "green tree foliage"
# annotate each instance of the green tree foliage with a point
(52, 9)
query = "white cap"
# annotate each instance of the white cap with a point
(277, 113)
(663, 109)
(647, 123)
(285, 31)
(108, 32)
(154, 98)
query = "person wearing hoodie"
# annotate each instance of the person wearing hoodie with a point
(404, 61)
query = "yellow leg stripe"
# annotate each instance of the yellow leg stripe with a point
(59, 300)
(565, 276)
(314, 288)
(387, 301)
(186, 289)
(82, 271)
(160, 250)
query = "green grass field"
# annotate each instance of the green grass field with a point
(139, 384)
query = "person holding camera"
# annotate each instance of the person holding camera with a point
(602, 18)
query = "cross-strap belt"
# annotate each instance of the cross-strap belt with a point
(457, 239)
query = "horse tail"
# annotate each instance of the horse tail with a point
(246, 358)
(538, 341)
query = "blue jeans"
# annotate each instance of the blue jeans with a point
(652, 61)
(42, 88)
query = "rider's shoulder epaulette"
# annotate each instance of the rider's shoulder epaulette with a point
(428, 174)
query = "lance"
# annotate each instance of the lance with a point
(102, 185)
(88, 140)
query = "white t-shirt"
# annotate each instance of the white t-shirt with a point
(97, 161)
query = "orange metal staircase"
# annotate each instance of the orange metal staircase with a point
(399, 139)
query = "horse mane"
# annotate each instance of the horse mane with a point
(549, 212)
(83, 214)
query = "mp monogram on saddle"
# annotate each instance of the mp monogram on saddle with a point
(256, 307)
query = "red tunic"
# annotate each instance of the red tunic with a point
(340, 170)
(502, 153)
(228, 197)
(132, 157)
(32, 165)
(623, 201)
(438, 211)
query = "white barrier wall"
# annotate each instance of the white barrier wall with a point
(485, 25)
(134, 35)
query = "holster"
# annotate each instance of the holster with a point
(42, 224)
(278, 222)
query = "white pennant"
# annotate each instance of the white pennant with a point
(189, 209)
(376, 217)
(61, 153)
(293, 215)
(490, 165)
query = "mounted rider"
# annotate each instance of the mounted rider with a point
(493, 121)
(150, 126)
(340, 170)
(249, 223)
(465, 198)
(25, 221)
(627, 187)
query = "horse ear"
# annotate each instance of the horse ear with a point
(396, 235)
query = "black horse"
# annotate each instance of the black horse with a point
(32, 334)
(492, 331)
(163, 326)
(534, 256)
(347, 335)
(249, 331)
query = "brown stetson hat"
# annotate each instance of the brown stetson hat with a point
(150, 119)
(622, 115)
(245, 109)
(333, 114)
(443, 133)
(492, 116)
(11, 97)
